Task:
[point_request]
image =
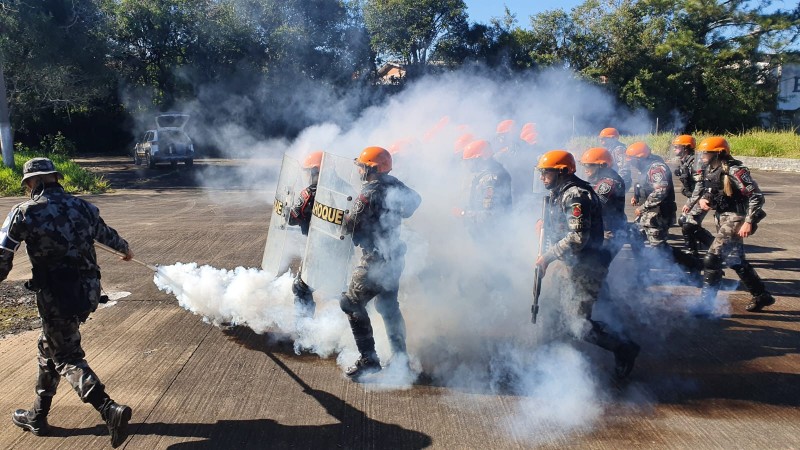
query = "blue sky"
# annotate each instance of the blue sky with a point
(483, 10)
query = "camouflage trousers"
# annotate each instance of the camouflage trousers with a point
(654, 226)
(728, 245)
(378, 278)
(580, 286)
(61, 355)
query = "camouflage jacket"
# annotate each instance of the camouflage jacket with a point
(574, 223)
(617, 151)
(489, 193)
(686, 172)
(59, 231)
(300, 212)
(655, 189)
(610, 189)
(377, 213)
(746, 199)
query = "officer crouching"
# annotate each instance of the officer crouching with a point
(59, 231)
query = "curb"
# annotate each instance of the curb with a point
(770, 164)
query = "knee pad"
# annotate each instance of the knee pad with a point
(688, 229)
(712, 262)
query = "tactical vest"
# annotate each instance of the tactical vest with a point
(714, 183)
(558, 221)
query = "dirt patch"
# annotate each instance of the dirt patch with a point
(17, 309)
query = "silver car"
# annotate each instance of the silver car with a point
(167, 143)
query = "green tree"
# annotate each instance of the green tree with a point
(410, 29)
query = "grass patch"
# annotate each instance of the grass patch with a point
(76, 179)
(775, 144)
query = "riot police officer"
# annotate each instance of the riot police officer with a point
(691, 222)
(300, 214)
(727, 187)
(59, 231)
(574, 228)
(382, 204)
(610, 189)
(609, 139)
(489, 192)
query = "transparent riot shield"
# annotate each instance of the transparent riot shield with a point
(277, 258)
(329, 249)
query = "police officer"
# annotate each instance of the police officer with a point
(489, 191)
(59, 231)
(609, 139)
(727, 187)
(375, 223)
(300, 214)
(654, 196)
(574, 227)
(610, 189)
(691, 222)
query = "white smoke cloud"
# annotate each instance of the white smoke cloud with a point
(465, 299)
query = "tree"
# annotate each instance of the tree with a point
(410, 29)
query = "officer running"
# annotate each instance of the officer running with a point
(375, 223)
(59, 231)
(300, 214)
(727, 187)
(691, 222)
(610, 189)
(575, 230)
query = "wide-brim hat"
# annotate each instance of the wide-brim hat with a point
(39, 166)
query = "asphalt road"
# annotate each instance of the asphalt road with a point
(727, 383)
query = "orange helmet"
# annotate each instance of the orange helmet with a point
(478, 149)
(638, 150)
(714, 144)
(611, 133)
(462, 142)
(377, 158)
(529, 137)
(557, 159)
(597, 155)
(529, 126)
(505, 126)
(313, 160)
(685, 140)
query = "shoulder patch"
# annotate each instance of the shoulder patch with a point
(576, 210)
(604, 188)
(360, 204)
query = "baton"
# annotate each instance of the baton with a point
(111, 250)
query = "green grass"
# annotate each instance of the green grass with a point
(76, 179)
(776, 144)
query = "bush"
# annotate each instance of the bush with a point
(76, 179)
(56, 145)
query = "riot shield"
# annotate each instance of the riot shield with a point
(329, 249)
(277, 258)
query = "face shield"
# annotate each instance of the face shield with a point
(549, 177)
(591, 170)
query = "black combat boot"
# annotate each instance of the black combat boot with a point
(35, 419)
(712, 277)
(753, 284)
(624, 358)
(365, 365)
(116, 417)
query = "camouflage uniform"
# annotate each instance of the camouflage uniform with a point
(656, 192)
(610, 190)
(691, 222)
(617, 150)
(375, 224)
(300, 214)
(574, 232)
(743, 203)
(489, 198)
(59, 231)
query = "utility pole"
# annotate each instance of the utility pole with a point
(6, 143)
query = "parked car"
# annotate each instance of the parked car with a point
(167, 143)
